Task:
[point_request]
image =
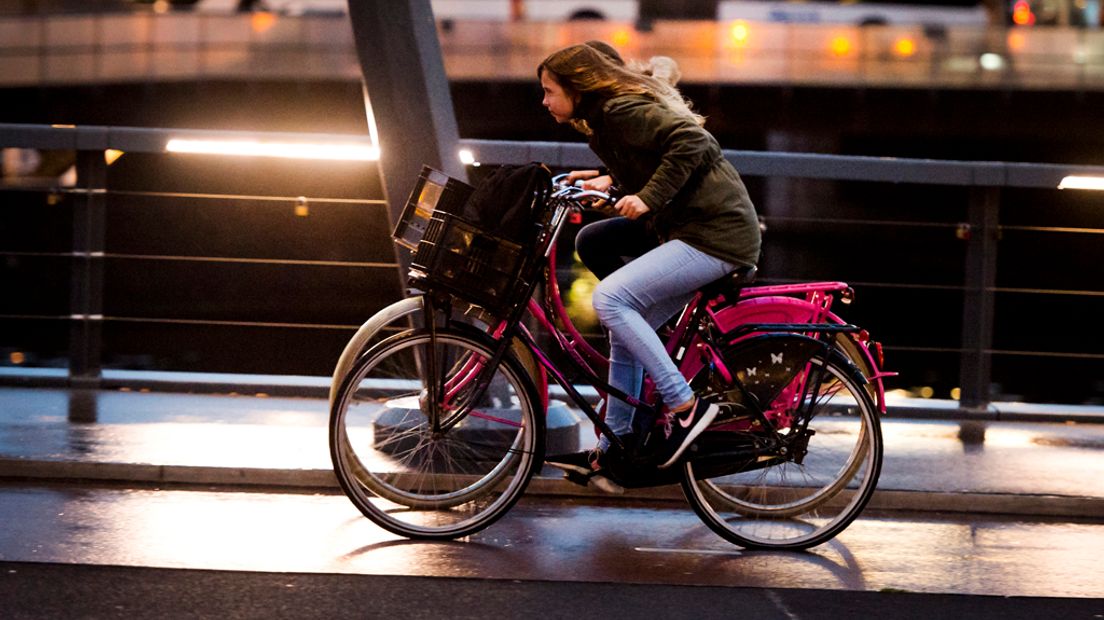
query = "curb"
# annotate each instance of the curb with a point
(315, 480)
(143, 474)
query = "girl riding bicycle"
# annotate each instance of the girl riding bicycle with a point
(684, 220)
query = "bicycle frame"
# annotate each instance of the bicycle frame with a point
(752, 304)
(774, 304)
(799, 316)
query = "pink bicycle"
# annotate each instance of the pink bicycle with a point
(436, 430)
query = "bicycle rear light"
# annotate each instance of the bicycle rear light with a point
(873, 346)
(879, 355)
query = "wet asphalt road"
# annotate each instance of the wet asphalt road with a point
(68, 591)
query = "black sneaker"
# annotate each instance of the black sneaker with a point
(585, 469)
(683, 427)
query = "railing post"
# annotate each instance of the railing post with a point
(975, 373)
(86, 286)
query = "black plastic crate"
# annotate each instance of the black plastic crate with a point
(434, 191)
(470, 263)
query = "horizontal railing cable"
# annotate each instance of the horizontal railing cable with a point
(256, 261)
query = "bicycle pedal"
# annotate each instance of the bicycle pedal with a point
(594, 481)
(575, 477)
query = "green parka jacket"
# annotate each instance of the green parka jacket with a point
(676, 167)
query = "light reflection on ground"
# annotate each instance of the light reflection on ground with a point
(291, 433)
(562, 541)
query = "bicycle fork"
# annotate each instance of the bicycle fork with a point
(449, 397)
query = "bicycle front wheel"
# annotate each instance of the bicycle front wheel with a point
(441, 467)
(805, 495)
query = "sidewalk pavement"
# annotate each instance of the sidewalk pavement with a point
(129, 436)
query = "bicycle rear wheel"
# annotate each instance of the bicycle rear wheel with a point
(424, 482)
(790, 500)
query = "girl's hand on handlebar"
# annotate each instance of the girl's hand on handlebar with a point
(631, 207)
(599, 184)
(602, 184)
(591, 181)
(580, 175)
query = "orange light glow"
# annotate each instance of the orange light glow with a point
(739, 33)
(1022, 15)
(262, 21)
(1016, 41)
(904, 47)
(840, 46)
(620, 37)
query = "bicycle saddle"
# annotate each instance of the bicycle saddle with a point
(730, 283)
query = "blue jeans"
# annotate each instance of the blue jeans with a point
(635, 300)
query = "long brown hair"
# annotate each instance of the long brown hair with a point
(587, 72)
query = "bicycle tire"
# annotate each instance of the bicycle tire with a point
(420, 483)
(791, 505)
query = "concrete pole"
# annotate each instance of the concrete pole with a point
(406, 93)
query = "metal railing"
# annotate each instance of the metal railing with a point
(229, 230)
(972, 223)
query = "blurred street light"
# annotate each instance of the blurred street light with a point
(294, 150)
(1082, 182)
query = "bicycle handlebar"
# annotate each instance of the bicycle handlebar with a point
(574, 192)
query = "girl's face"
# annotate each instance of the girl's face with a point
(560, 104)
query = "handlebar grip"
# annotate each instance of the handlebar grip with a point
(575, 191)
